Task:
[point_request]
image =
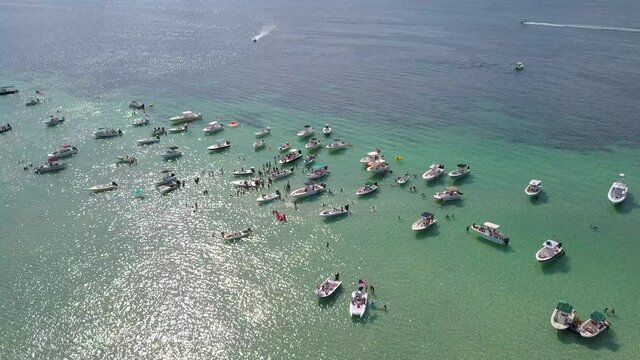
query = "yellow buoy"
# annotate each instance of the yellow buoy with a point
(398, 158)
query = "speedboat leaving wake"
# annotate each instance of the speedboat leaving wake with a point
(580, 26)
(264, 32)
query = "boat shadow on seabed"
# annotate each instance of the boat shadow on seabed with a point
(627, 205)
(541, 199)
(606, 340)
(561, 264)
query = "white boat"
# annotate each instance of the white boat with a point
(562, 316)
(367, 189)
(159, 131)
(277, 173)
(451, 193)
(187, 116)
(378, 167)
(213, 127)
(403, 179)
(434, 172)
(172, 153)
(313, 144)
(247, 184)
(243, 172)
(259, 144)
(220, 145)
(596, 324)
(550, 250)
(264, 132)
(337, 144)
(237, 235)
(308, 160)
(358, 304)
(372, 156)
(327, 288)
(54, 120)
(308, 190)
(326, 130)
(65, 151)
(169, 187)
(126, 159)
(426, 220)
(291, 156)
(167, 177)
(318, 172)
(5, 128)
(136, 104)
(618, 191)
(148, 141)
(104, 133)
(306, 131)
(461, 171)
(53, 164)
(179, 129)
(284, 147)
(104, 187)
(489, 231)
(534, 188)
(519, 66)
(335, 211)
(141, 122)
(265, 198)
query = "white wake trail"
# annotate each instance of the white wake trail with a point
(580, 26)
(264, 32)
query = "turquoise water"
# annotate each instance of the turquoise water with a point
(108, 276)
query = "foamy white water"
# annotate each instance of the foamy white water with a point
(580, 26)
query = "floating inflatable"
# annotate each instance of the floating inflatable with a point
(233, 124)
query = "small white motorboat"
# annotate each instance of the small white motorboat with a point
(284, 147)
(313, 144)
(337, 144)
(179, 129)
(237, 235)
(426, 220)
(135, 104)
(335, 212)
(308, 160)
(264, 132)
(259, 144)
(127, 159)
(550, 250)
(7, 90)
(451, 193)
(159, 131)
(403, 179)
(306, 131)
(53, 164)
(187, 116)
(327, 288)
(104, 187)
(378, 167)
(65, 151)
(326, 130)
(596, 324)
(169, 187)
(167, 177)
(358, 304)
(220, 145)
(247, 184)
(368, 188)
(104, 133)
(434, 172)
(372, 156)
(534, 188)
(618, 191)
(562, 316)
(291, 156)
(213, 128)
(489, 231)
(141, 122)
(265, 198)
(243, 172)
(318, 172)
(149, 141)
(308, 190)
(519, 66)
(461, 171)
(172, 153)
(277, 173)
(54, 120)
(5, 128)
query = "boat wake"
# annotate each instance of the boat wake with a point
(580, 26)
(264, 32)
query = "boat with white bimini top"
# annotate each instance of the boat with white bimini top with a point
(318, 171)
(127, 159)
(306, 131)
(596, 324)
(461, 171)
(326, 130)
(618, 191)
(220, 145)
(259, 144)
(237, 235)
(54, 120)
(358, 304)
(53, 164)
(451, 193)
(264, 132)
(104, 133)
(372, 156)
(313, 144)
(247, 184)
(169, 187)
(243, 172)
(186, 116)
(277, 173)
(489, 231)
(292, 155)
(426, 220)
(265, 198)
(403, 179)
(335, 212)
(434, 172)
(337, 144)
(167, 177)
(104, 187)
(562, 316)
(378, 167)
(368, 188)
(327, 288)
(179, 129)
(149, 141)
(284, 147)
(550, 250)
(309, 189)
(65, 151)
(172, 153)
(213, 128)
(534, 188)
